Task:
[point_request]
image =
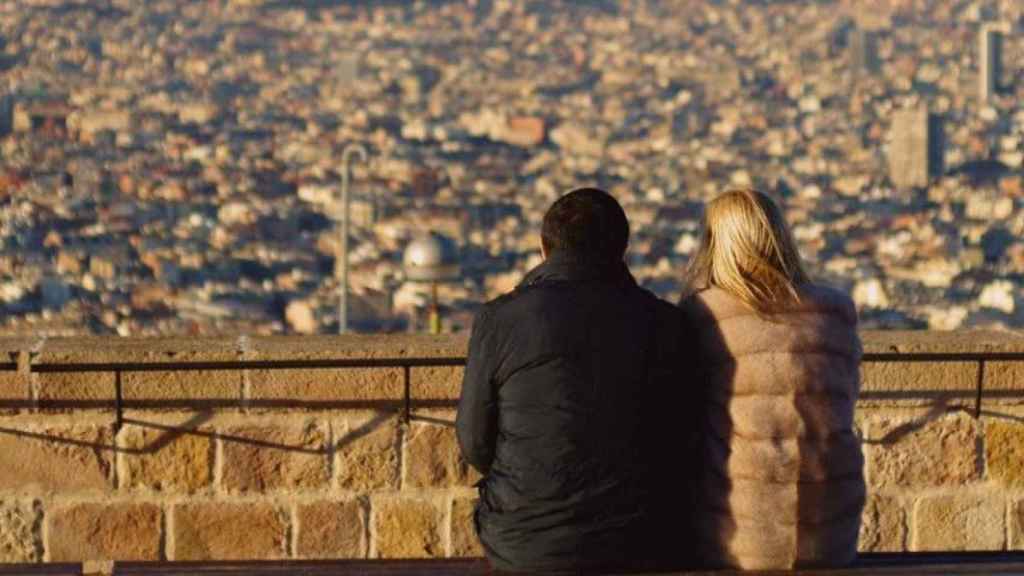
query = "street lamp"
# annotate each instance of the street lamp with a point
(346, 201)
(432, 258)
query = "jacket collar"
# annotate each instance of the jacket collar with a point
(559, 268)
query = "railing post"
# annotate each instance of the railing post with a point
(981, 387)
(407, 416)
(118, 403)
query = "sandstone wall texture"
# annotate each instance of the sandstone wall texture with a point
(250, 448)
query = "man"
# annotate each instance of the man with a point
(572, 408)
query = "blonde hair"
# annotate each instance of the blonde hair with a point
(747, 250)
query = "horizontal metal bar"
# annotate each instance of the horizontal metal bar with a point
(922, 394)
(252, 365)
(441, 362)
(943, 357)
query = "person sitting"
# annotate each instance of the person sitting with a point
(572, 389)
(783, 485)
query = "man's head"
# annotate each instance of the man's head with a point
(586, 224)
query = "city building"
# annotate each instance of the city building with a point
(990, 61)
(917, 148)
(180, 174)
(6, 114)
(863, 51)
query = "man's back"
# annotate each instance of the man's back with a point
(561, 407)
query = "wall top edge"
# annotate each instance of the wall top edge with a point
(176, 350)
(105, 349)
(941, 342)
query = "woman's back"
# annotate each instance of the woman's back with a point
(783, 485)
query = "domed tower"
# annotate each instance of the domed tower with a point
(432, 258)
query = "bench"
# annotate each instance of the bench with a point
(899, 564)
(454, 567)
(895, 564)
(33, 569)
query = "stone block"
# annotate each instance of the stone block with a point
(954, 383)
(464, 540)
(407, 528)
(925, 341)
(362, 346)
(270, 458)
(169, 461)
(11, 346)
(150, 387)
(326, 385)
(57, 459)
(15, 392)
(102, 350)
(1004, 383)
(436, 382)
(1004, 452)
(921, 453)
(104, 531)
(884, 525)
(19, 533)
(229, 531)
(367, 454)
(97, 388)
(959, 522)
(76, 390)
(331, 530)
(1017, 526)
(433, 459)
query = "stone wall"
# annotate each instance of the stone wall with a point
(300, 448)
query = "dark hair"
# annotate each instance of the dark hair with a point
(586, 224)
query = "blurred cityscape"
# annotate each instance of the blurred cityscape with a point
(174, 166)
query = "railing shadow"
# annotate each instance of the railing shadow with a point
(1003, 416)
(208, 404)
(940, 407)
(387, 411)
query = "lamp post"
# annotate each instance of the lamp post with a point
(346, 201)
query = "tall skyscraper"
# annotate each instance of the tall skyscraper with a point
(990, 61)
(6, 114)
(917, 148)
(347, 70)
(863, 51)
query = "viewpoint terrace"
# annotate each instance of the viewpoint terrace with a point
(302, 448)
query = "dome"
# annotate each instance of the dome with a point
(431, 258)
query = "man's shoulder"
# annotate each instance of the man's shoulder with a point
(521, 295)
(661, 305)
(491, 312)
(529, 299)
(498, 305)
(662, 310)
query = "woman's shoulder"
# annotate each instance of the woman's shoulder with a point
(828, 300)
(714, 302)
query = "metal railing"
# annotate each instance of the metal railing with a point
(941, 357)
(407, 364)
(118, 368)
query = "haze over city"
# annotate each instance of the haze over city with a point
(174, 166)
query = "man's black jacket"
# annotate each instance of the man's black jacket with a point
(575, 409)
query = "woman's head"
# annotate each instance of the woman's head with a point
(747, 250)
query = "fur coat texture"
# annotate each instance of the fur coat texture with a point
(782, 484)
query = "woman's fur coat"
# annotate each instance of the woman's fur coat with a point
(782, 484)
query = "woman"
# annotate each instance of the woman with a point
(783, 483)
